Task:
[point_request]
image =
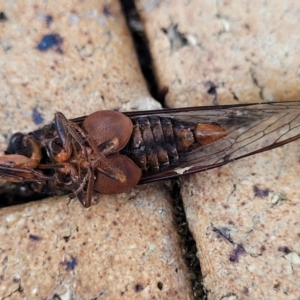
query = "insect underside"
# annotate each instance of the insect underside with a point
(110, 152)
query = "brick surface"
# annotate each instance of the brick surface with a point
(245, 219)
(124, 246)
(87, 68)
(244, 216)
(247, 50)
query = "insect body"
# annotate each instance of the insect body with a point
(161, 143)
(110, 152)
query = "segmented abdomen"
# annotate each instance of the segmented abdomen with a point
(159, 143)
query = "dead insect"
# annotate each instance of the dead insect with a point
(110, 152)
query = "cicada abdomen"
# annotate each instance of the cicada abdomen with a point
(160, 143)
(201, 138)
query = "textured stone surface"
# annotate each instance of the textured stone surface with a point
(244, 216)
(122, 247)
(92, 64)
(247, 51)
(245, 219)
(125, 246)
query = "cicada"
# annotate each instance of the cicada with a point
(111, 152)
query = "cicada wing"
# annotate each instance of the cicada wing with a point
(251, 129)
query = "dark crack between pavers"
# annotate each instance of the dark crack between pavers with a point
(139, 38)
(18, 193)
(188, 244)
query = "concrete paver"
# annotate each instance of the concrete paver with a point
(78, 57)
(121, 247)
(243, 216)
(244, 52)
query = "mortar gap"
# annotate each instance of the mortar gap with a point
(188, 243)
(136, 28)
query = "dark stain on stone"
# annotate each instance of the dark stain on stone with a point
(258, 192)
(160, 285)
(106, 11)
(284, 249)
(138, 287)
(263, 248)
(67, 238)
(48, 20)
(245, 291)
(3, 17)
(176, 38)
(37, 118)
(235, 254)
(276, 286)
(247, 26)
(49, 41)
(211, 88)
(172, 294)
(34, 237)
(56, 297)
(223, 232)
(70, 265)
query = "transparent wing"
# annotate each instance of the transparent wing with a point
(251, 129)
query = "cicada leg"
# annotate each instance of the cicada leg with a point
(100, 163)
(103, 164)
(20, 168)
(68, 176)
(21, 174)
(83, 194)
(115, 173)
(65, 130)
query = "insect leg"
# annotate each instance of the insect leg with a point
(85, 197)
(22, 174)
(65, 129)
(20, 168)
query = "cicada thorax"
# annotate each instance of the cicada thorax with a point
(161, 143)
(107, 133)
